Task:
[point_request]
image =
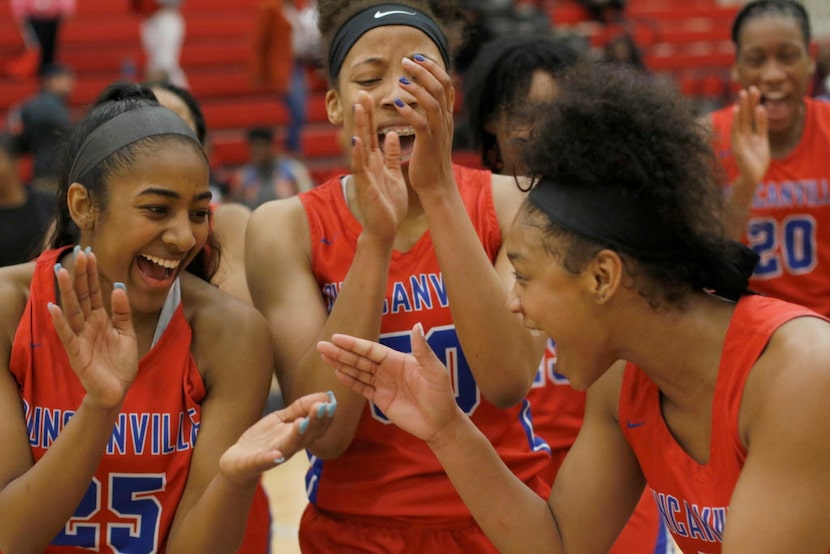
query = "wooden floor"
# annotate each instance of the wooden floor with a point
(286, 490)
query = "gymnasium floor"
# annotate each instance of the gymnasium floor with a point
(285, 486)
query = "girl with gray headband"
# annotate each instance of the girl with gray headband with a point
(116, 357)
(407, 236)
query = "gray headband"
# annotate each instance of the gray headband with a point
(379, 16)
(125, 129)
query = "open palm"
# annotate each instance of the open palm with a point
(413, 391)
(378, 179)
(102, 350)
(750, 138)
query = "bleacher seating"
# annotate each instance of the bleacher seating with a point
(686, 40)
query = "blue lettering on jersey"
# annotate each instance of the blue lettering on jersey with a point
(690, 520)
(419, 292)
(800, 193)
(132, 433)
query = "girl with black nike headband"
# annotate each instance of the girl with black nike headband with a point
(407, 236)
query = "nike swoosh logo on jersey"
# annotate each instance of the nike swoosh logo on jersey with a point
(379, 14)
(633, 424)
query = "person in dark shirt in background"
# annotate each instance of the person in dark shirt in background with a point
(25, 214)
(44, 118)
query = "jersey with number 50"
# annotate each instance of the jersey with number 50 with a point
(789, 222)
(395, 475)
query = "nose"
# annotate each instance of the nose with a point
(179, 233)
(772, 71)
(392, 91)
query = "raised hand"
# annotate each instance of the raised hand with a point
(750, 139)
(102, 350)
(278, 436)
(379, 183)
(414, 391)
(430, 165)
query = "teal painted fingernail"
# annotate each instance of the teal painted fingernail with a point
(121, 286)
(76, 249)
(58, 267)
(303, 425)
(332, 406)
(49, 306)
(88, 250)
(279, 460)
(331, 396)
(321, 409)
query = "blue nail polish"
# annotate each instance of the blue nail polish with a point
(399, 103)
(354, 140)
(50, 305)
(321, 409)
(121, 286)
(279, 460)
(57, 268)
(76, 249)
(404, 81)
(88, 250)
(332, 406)
(303, 425)
(419, 58)
(331, 396)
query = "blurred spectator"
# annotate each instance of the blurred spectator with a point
(305, 50)
(44, 118)
(624, 49)
(25, 213)
(42, 20)
(162, 36)
(268, 175)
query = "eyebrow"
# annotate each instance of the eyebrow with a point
(513, 256)
(152, 191)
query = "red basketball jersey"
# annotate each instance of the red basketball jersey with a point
(693, 498)
(130, 503)
(789, 224)
(386, 472)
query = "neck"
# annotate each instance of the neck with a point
(781, 144)
(679, 350)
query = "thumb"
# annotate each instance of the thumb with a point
(392, 151)
(420, 348)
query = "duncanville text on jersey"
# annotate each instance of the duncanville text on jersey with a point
(153, 433)
(419, 292)
(791, 194)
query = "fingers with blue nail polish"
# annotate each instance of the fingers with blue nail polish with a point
(303, 425)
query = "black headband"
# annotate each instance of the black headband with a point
(380, 16)
(125, 129)
(614, 218)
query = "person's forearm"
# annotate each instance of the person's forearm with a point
(738, 207)
(216, 523)
(357, 311)
(37, 505)
(520, 521)
(502, 353)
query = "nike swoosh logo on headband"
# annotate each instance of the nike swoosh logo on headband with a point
(379, 14)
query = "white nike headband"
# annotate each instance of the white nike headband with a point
(380, 16)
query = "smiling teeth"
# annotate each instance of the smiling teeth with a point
(401, 132)
(169, 264)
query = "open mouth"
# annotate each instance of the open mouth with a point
(778, 107)
(157, 271)
(406, 137)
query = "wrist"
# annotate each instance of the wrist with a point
(449, 435)
(104, 410)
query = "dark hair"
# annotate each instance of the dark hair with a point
(265, 134)
(116, 99)
(758, 8)
(501, 74)
(613, 129)
(333, 14)
(189, 100)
